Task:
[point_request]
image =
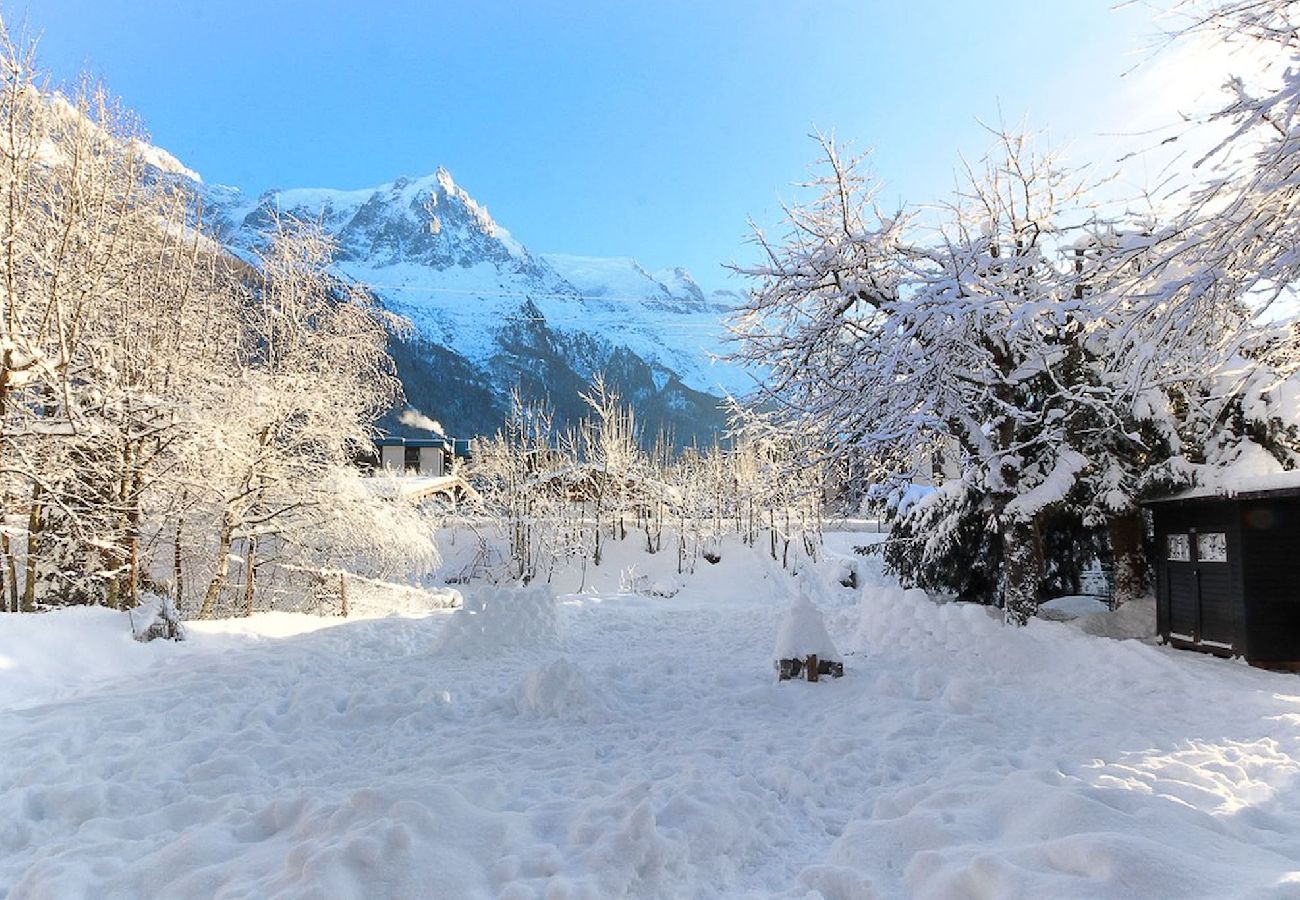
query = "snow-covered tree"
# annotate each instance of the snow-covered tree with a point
(163, 404)
(887, 344)
(314, 374)
(115, 315)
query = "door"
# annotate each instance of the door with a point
(1200, 589)
(1184, 600)
(1213, 590)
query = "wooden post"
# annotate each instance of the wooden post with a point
(343, 595)
(811, 667)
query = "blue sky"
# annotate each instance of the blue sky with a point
(650, 129)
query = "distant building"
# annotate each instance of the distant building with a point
(415, 456)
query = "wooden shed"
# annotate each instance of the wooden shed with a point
(1227, 566)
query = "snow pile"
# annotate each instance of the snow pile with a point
(560, 690)
(1135, 619)
(63, 653)
(44, 656)
(493, 619)
(682, 834)
(1246, 467)
(1073, 606)
(803, 631)
(897, 618)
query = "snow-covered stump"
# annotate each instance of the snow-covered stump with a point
(803, 646)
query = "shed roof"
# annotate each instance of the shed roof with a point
(1229, 486)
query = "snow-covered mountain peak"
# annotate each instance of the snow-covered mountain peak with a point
(428, 221)
(435, 255)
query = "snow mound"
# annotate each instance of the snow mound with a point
(494, 619)
(803, 631)
(1135, 619)
(910, 619)
(560, 690)
(45, 656)
(1065, 609)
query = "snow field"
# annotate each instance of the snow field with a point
(644, 748)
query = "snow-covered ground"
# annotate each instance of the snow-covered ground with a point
(623, 745)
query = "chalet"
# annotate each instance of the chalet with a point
(1227, 564)
(430, 456)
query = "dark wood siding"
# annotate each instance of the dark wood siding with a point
(1218, 597)
(1271, 527)
(1180, 596)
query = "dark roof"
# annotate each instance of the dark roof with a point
(398, 441)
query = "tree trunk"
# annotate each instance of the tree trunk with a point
(1129, 559)
(178, 580)
(250, 575)
(113, 587)
(219, 574)
(11, 571)
(33, 539)
(1022, 571)
(133, 584)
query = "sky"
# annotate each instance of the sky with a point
(655, 130)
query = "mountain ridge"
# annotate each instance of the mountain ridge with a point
(432, 253)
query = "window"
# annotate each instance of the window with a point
(411, 462)
(1180, 548)
(1212, 546)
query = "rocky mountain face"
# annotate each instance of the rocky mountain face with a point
(490, 316)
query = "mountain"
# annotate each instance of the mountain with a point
(489, 314)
